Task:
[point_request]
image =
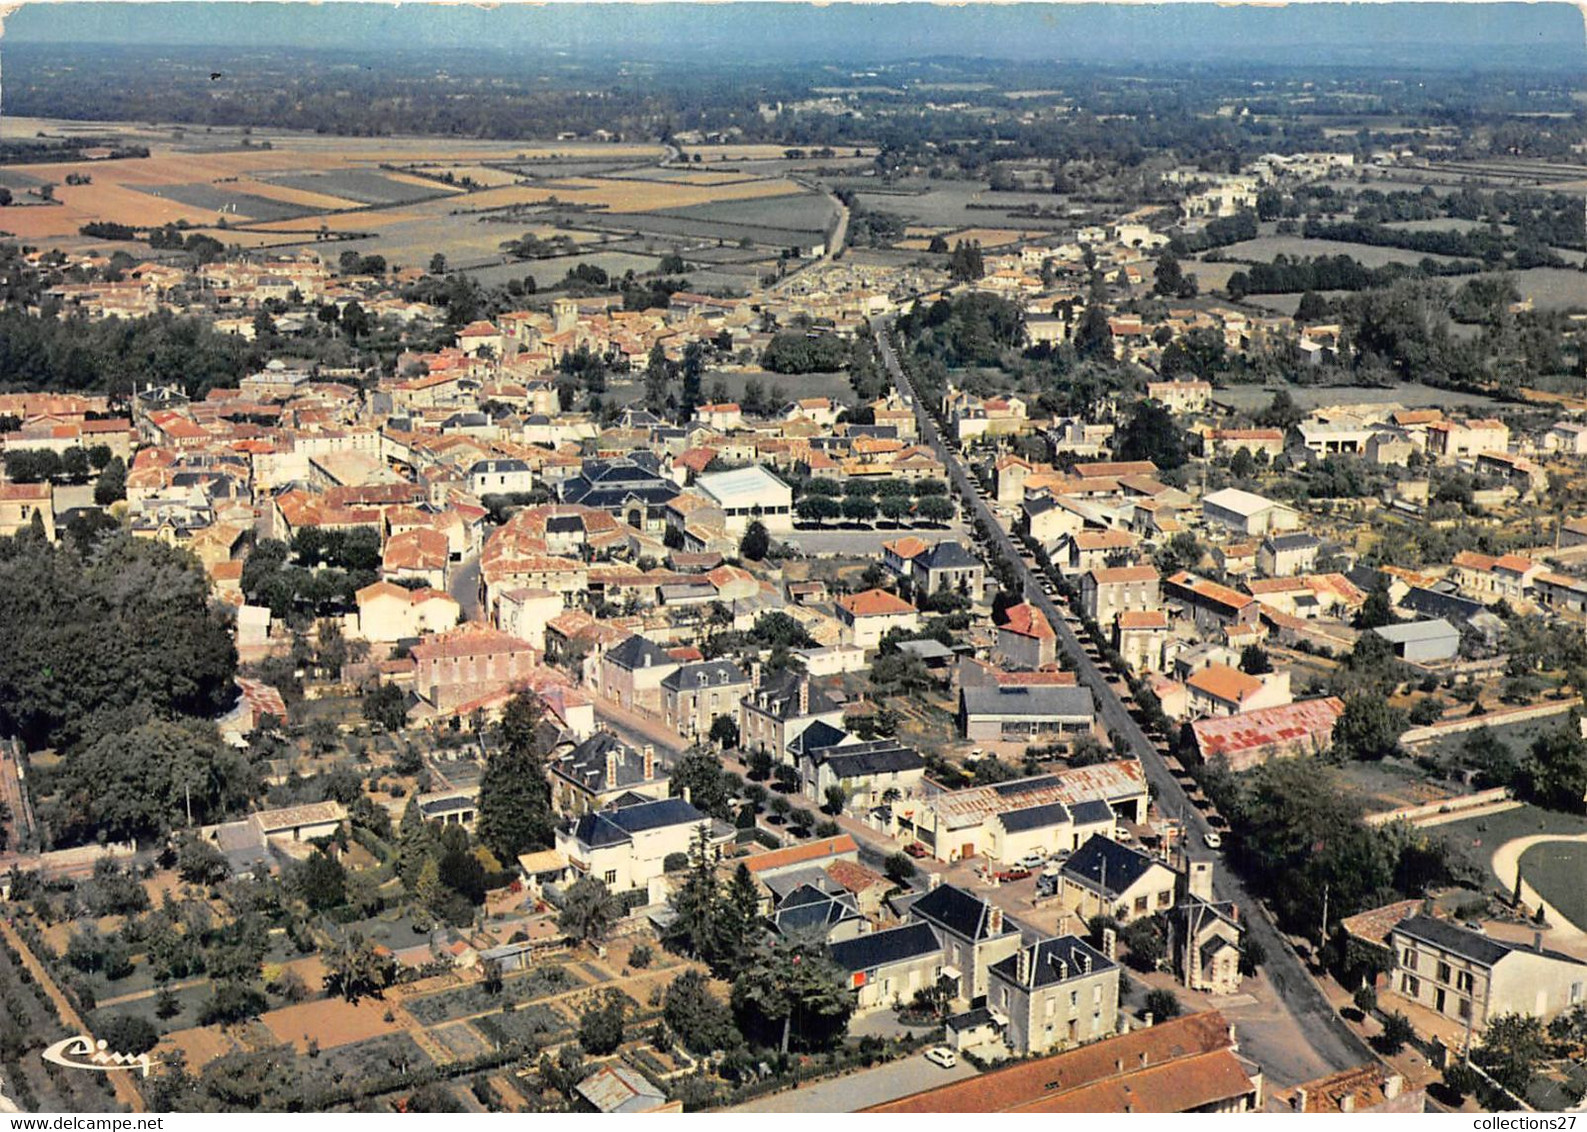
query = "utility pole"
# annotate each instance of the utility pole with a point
(1322, 938)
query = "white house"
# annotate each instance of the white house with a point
(745, 494)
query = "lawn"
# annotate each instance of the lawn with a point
(1475, 839)
(1556, 869)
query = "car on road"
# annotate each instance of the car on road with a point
(943, 1056)
(1212, 839)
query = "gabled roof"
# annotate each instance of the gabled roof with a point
(706, 674)
(882, 949)
(860, 760)
(1455, 939)
(875, 603)
(639, 652)
(612, 827)
(955, 910)
(1103, 865)
(1039, 817)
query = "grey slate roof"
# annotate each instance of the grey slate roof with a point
(1056, 961)
(706, 674)
(638, 652)
(780, 694)
(859, 760)
(955, 910)
(1105, 865)
(1455, 939)
(612, 827)
(1044, 701)
(819, 736)
(882, 949)
(585, 764)
(1295, 541)
(1089, 813)
(948, 555)
(1036, 817)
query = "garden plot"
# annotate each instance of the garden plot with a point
(474, 999)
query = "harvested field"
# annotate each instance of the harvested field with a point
(330, 1021)
(806, 212)
(479, 174)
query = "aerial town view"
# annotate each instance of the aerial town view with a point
(766, 558)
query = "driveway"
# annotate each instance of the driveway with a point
(889, 1082)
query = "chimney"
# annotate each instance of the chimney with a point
(611, 769)
(933, 882)
(754, 674)
(1347, 1103)
(1393, 1085)
(1147, 1020)
(1146, 1059)
(994, 922)
(1298, 1101)
(650, 762)
(1200, 881)
(1110, 943)
(686, 798)
(1537, 942)
(1022, 966)
(804, 695)
(1118, 1065)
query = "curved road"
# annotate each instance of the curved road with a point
(1332, 1040)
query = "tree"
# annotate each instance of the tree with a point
(438, 264)
(1147, 947)
(112, 483)
(899, 869)
(354, 969)
(760, 764)
(785, 778)
(702, 1022)
(514, 793)
(1368, 729)
(129, 629)
(387, 707)
(1397, 1031)
(588, 910)
(724, 732)
(790, 992)
(837, 798)
(935, 509)
(966, 263)
(1162, 1004)
(200, 862)
(1254, 661)
(699, 771)
(859, 509)
(1151, 434)
(697, 927)
(601, 1026)
(756, 542)
(1555, 773)
(320, 881)
(141, 780)
(1377, 610)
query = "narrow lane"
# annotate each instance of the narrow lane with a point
(1333, 1040)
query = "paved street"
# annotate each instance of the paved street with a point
(1334, 1042)
(888, 1082)
(464, 586)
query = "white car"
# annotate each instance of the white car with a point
(1032, 861)
(943, 1056)
(1212, 839)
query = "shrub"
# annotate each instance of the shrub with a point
(640, 956)
(1162, 1004)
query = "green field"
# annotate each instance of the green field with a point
(1556, 870)
(1475, 839)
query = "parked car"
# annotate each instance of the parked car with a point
(1213, 839)
(1032, 860)
(1016, 873)
(916, 849)
(943, 1056)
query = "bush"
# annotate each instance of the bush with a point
(1162, 1004)
(641, 956)
(1461, 1079)
(1366, 999)
(129, 1033)
(1397, 1031)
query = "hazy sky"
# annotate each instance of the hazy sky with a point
(1406, 33)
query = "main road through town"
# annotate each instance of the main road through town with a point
(1331, 1039)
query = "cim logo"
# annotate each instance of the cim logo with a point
(83, 1052)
